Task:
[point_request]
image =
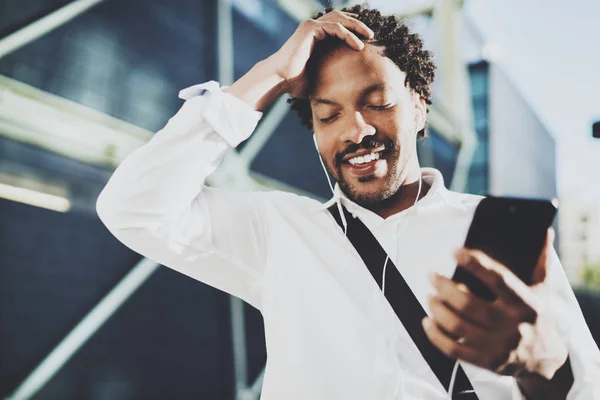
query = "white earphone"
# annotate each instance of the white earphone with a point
(339, 206)
(400, 231)
(344, 222)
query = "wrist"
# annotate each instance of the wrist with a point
(271, 68)
(260, 86)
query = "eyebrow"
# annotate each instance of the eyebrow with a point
(378, 87)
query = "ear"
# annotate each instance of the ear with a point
(420, 111)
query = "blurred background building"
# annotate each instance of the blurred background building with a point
(580, 246)
(85, 82)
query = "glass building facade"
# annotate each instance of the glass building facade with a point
(438, 152)
(479, 174)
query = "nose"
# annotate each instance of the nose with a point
(357, 129)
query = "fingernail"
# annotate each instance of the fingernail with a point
(426, 323)
(463, 288)
(432, 277)
(461, 256)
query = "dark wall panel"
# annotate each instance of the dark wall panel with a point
(53, 268)
(171, 339)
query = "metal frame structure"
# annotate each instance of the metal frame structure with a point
(233, 172)
(84, 330)
(44, 25)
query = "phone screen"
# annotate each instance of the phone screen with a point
(511, 231)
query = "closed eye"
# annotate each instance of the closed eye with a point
(383, 107)
(328, 119)
(376, 108)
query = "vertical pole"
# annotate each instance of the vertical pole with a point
(225, 78)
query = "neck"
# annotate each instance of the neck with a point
(405, 196)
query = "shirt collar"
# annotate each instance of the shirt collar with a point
(437, 193)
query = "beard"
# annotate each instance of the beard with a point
(392, 179)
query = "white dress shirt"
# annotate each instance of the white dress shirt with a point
(330, 333)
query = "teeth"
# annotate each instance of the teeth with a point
(364, 159)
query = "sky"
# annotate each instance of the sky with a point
(550, 49)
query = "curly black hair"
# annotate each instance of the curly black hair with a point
(404, 48)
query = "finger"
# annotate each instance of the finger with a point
(515, 298)
(502, 281)
(455, 326)
(469, 306)
(449, 346)
(350, 22)
(335, 13)
(340, 31)
(540, 271)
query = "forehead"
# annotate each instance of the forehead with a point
(346, 71)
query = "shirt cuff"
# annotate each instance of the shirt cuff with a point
(232, 118)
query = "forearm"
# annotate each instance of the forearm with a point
(260, 86)
(158, 181)
(536, 387)
(157, 204)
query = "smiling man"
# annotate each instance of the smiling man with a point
(361, 82)
(365, 115)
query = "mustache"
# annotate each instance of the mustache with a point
(366, 144)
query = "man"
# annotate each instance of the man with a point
(361, 81)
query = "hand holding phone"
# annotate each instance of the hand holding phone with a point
(509, 236)
(513, 232)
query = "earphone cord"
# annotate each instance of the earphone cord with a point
(344, 222)
(455, 369)
(339, 206)
(398, 234)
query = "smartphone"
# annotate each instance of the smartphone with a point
(511, 231)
